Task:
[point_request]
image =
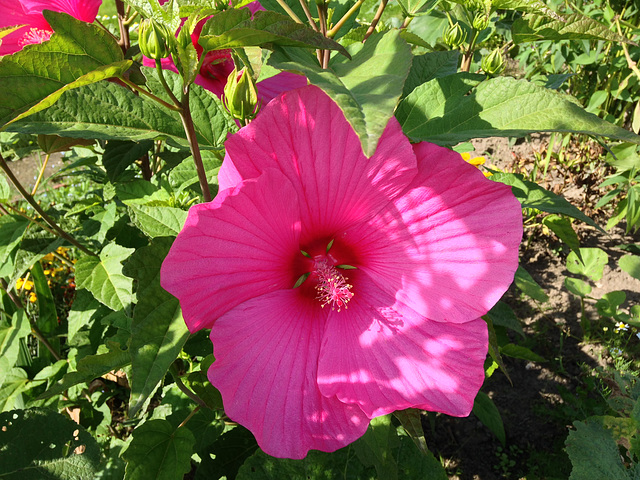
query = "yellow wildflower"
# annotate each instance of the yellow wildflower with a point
(475, 161)
(32, 297)
(22, 284)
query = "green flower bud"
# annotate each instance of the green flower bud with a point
(480, 22)
(152, 40)
(493, 63)
(240, 95)
(454, 36)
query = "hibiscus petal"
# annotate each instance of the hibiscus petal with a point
(448, 246)
(85, 10)
(306, 136)
(266, 361)
(383, 356)
(237, 247)
(271, 87)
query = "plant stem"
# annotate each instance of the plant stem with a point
(312, 22)
(33, 220)
(187, 123)
(195, 410)
(333, 31)
(290, 12)
(31, 201)
(34, 328)
(125, 41)
(468, 54)
(323, 55)
(163, 80)
(183, 388)
(137, 88)
(376, 19)
(40, 175)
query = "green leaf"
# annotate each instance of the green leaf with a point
(14, 383)
(561, 226)
(577, 287)
(142, 192)
(118, 155)
(185, 174)
(12, 228)
(235, 28)
(532, 195)
(411, 421)
(229, 453)
(594, 453)
(10, 336)
(527, 6)
(631, 265)
(518, 351)
(158, 452)
(47, 314)
(158, 221)
(5, 190)
(494, 348)
(488, 414)
(39, 444)
(107, 111)
(502, 315)
(375, 447)
(429, 66)
(575, 26)
(88, 368)
(158, 331)
(607, 306)
(367, 101)
(78, 53)
(525, 282)
(485, 112)
(591, 265)
(103, 277)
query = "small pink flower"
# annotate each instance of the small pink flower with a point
(339, 287)
(218, 65)
(36, 29)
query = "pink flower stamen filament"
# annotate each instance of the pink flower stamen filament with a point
(332, 286)
(35, 35)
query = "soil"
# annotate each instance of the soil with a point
(546, 396)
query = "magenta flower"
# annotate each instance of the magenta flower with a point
(218, 65)
(36, 29)
(395, 258)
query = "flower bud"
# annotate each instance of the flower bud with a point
(240, 95)
(454, 36)
(480, 22)
(493, 63)
(152, 40)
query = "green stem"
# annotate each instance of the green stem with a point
(187, 123)
(183, 388)
(34, 328)
(332, 32)
(41, 174)
(468, 55)
(376, 19)
(31, 201)
(163, 80)
(137, 88)
(195, 410)
(125, 41)
(290, 12)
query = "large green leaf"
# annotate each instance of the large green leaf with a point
(502, 107)
(159, 451)
(489, 415)
(532, 195)
(594, 453)
(367, 100)
(235, 28)
(39, 444)
(78, 53)
(158, 331)
(10, 336)
(631, 265)
(576, 26)
(15, 382)
(590, 263)
(103, 277)
(429, 66)
(158, 221)
(118, 155)
(525, 282)
(108, 111)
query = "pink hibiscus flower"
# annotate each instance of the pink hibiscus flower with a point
(434, 245)
(36, 29)
(218, 65)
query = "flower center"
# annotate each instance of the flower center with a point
(332, 286)
(35, 35)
